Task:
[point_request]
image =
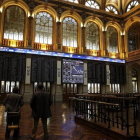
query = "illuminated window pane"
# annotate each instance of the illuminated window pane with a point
(69, 32)
(75, 1)
(94, 87)
(2, 86)
(111, 9)
(92, 36)
(112, 40)
(92, 3)
(43, 29)
(14, 23)
(115, 88)
(131, 5)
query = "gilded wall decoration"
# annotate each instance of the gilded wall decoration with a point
(112, 2)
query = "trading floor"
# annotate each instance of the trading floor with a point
(61, 125)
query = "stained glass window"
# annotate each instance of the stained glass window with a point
(93, 4)
(75, 1)
(111, 9)
(134, 37)
(14, 23)
(92, 36)
(69, 32)
(131, 5)
(112, 39)
(43, 28)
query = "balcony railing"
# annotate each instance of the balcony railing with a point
(13, 43)
(113, 55)
(93, 52)
(134, 53)
(47, 47)
(69, 49)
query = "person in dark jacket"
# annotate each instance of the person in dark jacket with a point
(12, 103)
(40, 104)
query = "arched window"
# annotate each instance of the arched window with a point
(75, 1)
(134, 81)
(69, 32)
(111, 9)
(43, 28)
(92, 36)
(14, 23)
(131, 5)
(112, 39)
(93, 4)
(134, 37)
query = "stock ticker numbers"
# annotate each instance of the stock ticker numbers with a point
(43, 69)
(12, 67)
(72, 71)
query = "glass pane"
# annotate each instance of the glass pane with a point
(17, 84)
(75, 88)
(68, 88)
(64, 88)
(35, 86)
(71, 88)
(92, 3)
(2, 86)
(44, 86)
(7, 87)
(44, 26)
(69, 32)
(112, 39)
(12, 86)
(48, 87)
(14, 23)
(92, 36)
(88, 87)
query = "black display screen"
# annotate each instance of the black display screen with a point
(72, 71)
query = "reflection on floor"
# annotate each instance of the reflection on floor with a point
(61, 125)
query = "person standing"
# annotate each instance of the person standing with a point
(40, 104)
(13, 102)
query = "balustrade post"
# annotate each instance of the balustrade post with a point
(127, 117)
(134, 117)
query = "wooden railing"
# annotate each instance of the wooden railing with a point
(93, 52)
(13, 43)
(113, 55)
(112, 112)
(39, 46)
(134, 53)
(69, 49)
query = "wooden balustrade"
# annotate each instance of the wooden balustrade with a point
(39, 46)
(69, 49)
(110, 111)
(13, 43)
(135, 53)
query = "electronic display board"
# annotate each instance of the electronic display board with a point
(72, 71)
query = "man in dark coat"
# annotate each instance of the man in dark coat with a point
(12, 103)
(40, 104)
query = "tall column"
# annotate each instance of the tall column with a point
(0, 28)
(30, 32)
(104, 44)
(59, 42)
(84, 39)
(122, 45)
